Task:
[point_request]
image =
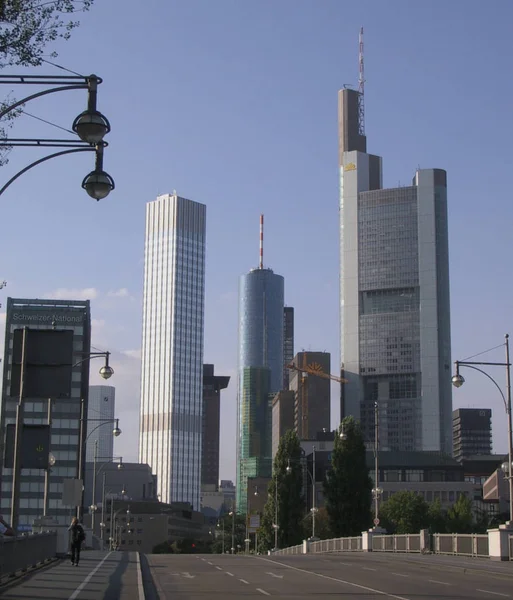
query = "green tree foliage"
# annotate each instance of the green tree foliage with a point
(437, 517)
(286, 484)
(405, 512)
(224, 531)
(322, 525)
(348, 486)
(459, 517)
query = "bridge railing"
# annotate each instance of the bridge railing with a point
(290, 550)
(511, 547)
(396, 543)
(461, 544)
(26, 551)
(346, 544)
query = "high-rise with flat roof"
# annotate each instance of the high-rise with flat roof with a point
(471, 432)
(172, 346)
(55, 315)
(394, 296)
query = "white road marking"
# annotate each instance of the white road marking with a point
(355, 585)
(230, 574)
(244, 581)
(368, 569)
(263, 592)
(187, 575)
(88, 578)
(440, 582)
(274, 575)
(219, 568)
(140, 586)
(210, 563)
(400, 574)
(494, 593)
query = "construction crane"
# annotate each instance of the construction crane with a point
(305, 370)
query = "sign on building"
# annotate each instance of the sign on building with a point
(35, 446)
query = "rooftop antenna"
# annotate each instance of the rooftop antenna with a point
(261, 263)
(361, 87)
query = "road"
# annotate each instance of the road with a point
(362, 576)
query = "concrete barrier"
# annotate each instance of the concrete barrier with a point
(25, 552)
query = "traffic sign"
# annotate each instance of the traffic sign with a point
(376, 521)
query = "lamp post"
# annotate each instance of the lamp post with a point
(96, 472)
(314, 508)
(90, 126)
(104, 499)
(458, 381)
(275, 524)
(247, 541)
(232, 515)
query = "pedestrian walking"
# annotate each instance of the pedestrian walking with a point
(77, 537)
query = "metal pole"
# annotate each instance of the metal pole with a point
(103, 509)
(93, 503)
(112, 523)
(47, 470)
(313, 493)
(233, 531)
(81, 454)
(276, 512)
(376, 463)
(16, 474)
(510, 431)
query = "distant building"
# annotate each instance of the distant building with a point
(471, 432)
(312, 394)
(212, 386)
(101, 408)
(288, 343)
(227, 487)
(170, 425)
(282, 417)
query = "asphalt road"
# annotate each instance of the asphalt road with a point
(359, 575)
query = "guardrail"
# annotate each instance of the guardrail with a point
(290, 550)
(511, 547)
(346, 544)
(396, 543)
(462, 544)
(26, 551)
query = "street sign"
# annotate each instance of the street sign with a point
(72, 492)
(254, 523)
(376, 521)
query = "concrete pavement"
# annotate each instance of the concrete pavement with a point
(360, 575)
(100, 576)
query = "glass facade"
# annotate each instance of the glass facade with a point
(101, 407)
(65, 427)
(261, 356)
(288, 343)
(172, 346)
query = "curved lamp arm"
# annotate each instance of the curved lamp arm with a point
(490, 378)
(11, 107)
(98, 426)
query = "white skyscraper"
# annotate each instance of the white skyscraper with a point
(172, 346)
(101, 408)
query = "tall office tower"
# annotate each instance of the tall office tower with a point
(74, 316)
(282, 417)
(172, 346)
(212, 386)
(471, 432)
(312, 405)
(260, 375)
(394, 295)
(288, 343)
(101, 408)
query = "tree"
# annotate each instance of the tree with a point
(29, 25)
(348, 486)
(405, 512)
(286, 485)
(322, 525)
(459, 517)
(437, 517)
(224, 531)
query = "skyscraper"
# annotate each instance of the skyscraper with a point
(67, 315)
(288, 343)
(172, 346)
(261, 303)
(394, 295)
(471, 432)
(212, 386)
(101, 407)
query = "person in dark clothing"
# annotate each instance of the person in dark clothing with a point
(77, 537)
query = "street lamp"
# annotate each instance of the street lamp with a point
(458, 381)
(91, 126)
(247, 541)
(97, 471)
(314, 509)
(232, 515)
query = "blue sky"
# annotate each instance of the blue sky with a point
(233, 103)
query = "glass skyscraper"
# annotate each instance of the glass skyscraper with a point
(394, 296)
(65, 426)
(261, 326)
(102, 400)
(172, 346)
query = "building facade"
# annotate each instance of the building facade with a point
(172, 346)
(288, 343)
(260, 374)
(282, 417)
(312, 393)
(471, 432)
(212, 386)
(101, 407)
(394, 261)
(74, 316)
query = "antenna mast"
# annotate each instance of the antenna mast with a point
(361, 87)
(261, 263)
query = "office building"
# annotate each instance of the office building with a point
(172, 346)
(394, 260)
(260, 375)
(471, 432)
(100, 422)
(312, 393)
(288, 343)
(212, 386)
(282, 417)
(55, 315)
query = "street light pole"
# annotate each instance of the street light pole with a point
(314, 492)
(93, 503)
(276, 512)
(376, 465)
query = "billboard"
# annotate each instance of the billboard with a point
(35, 446)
